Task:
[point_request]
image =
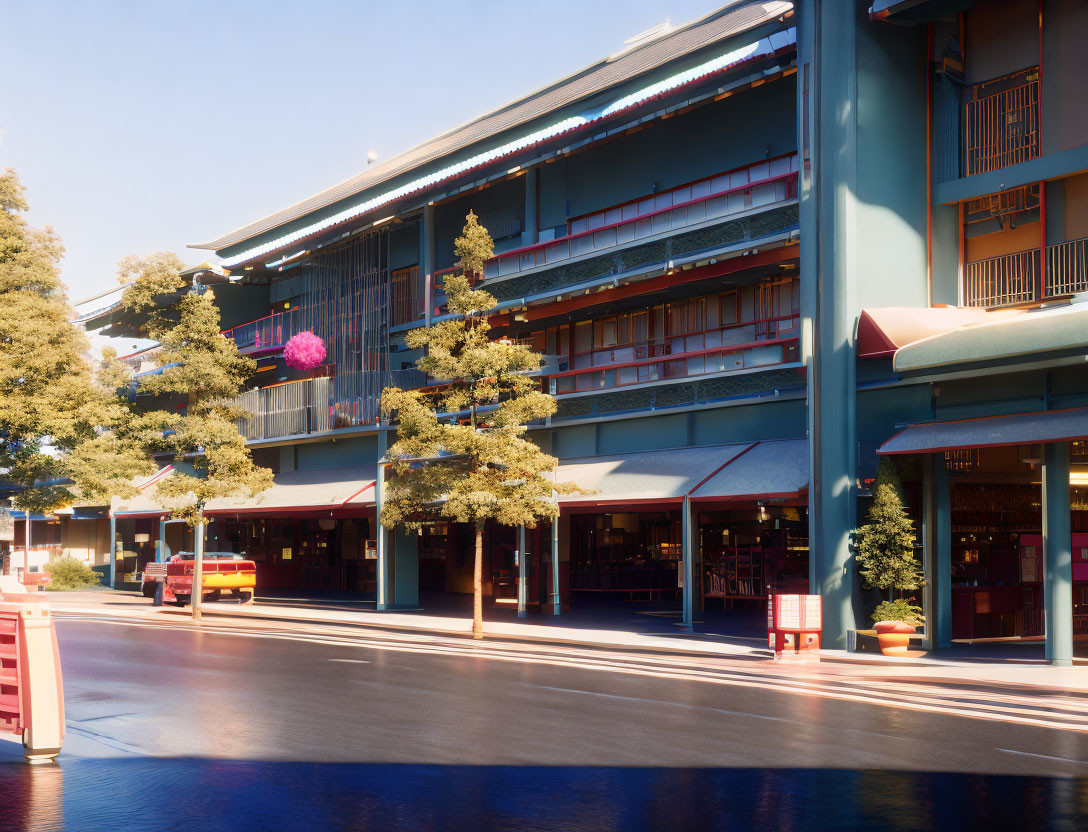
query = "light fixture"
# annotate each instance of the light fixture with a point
(141, 537)
(1078, 477)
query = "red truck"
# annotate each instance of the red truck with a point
(224, 572)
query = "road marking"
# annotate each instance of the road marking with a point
(350, 661)
(1044, 756)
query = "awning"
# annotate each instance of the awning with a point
(991, 432)
(767, 470)
(643, 477)
(885, 329)
(144, 502)
(325, 489)
(1003, 335)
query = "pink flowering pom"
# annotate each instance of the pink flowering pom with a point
(304, 351)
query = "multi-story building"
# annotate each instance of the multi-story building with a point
(757, 251)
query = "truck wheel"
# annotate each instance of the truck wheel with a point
(247, 597)
(181, 600)
(149, 589)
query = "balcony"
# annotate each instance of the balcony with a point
(720, 196)
(318, 405)
(738, 346)
(266, 334)
(1001, 122)
(1013, 279)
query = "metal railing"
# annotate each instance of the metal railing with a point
(311, 405)
(763, 184)
(1067, 268)
(268, 333)
(1006, 280)
(289, 409)
(1001, 122)
(765, 353)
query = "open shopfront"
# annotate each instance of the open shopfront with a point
(1010, 526)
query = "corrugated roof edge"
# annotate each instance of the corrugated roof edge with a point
(404, 162)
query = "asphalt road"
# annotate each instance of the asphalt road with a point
(336, 729)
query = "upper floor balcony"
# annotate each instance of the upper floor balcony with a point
(267, 334)
(1001, 122)
(1019, 278)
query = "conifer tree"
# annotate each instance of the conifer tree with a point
(203, 369)
(461, 453)
(885, 551)
(63, 434)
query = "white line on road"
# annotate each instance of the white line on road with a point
(350, 661)
(1044, 756)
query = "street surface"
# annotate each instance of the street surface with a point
(292, 727)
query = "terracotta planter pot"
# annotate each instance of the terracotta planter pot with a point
(893, 637)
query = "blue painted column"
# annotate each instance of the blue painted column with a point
(523, 574)
(160, 544)
(382, 595)
(1058, 548)
(942, 538)
(531, 234)
(426, 260)
(557, 600)
(687, 552)
(827, 125)
(113, 552)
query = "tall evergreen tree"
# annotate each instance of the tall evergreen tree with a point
(203, 369)
(63, 434)
(885, 551)
(461, 453)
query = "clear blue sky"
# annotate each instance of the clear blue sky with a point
(143, 125)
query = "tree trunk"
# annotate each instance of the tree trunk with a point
(478, 585)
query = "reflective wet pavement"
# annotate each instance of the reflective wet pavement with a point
(171, 727)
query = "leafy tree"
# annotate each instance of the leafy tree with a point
(203, 368)
(885, 550)
(461, 452)
(62, 434)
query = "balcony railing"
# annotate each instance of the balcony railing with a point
(314, 405)
(1067, 268)
(765, 183)
(1002, 281)
(1012, 279)
(1001, 122)
(736, 346)
(265, 334)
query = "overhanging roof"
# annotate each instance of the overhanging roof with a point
(766, 470)
(990, 432)
(326, 489)
(724, 23)
(144, 502)
(644, 477)
(1001, 335)
(885, 329)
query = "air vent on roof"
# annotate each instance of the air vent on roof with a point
(642, 38)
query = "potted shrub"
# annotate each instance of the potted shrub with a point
(895, 622)
(886, 562)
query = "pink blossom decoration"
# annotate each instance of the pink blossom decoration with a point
(304, 351)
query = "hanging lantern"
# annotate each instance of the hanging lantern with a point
(304, 351)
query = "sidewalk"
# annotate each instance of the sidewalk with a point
(1027, 675)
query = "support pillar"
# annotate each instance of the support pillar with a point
(531, 235)
(1058, 548)
(426, 260)
(687, 551)
(382, 567)
(942, 540)
(827, 125)
(113, 551)
(557, 600)
(523, 573)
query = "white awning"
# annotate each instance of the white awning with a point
(767, 470)
(144, 502)
(296, 491)
(643, 477)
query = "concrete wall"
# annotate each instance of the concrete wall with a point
(1021, 238)
(362, 450)
(1065, 67)
(1002, 37)
(1075, 204)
